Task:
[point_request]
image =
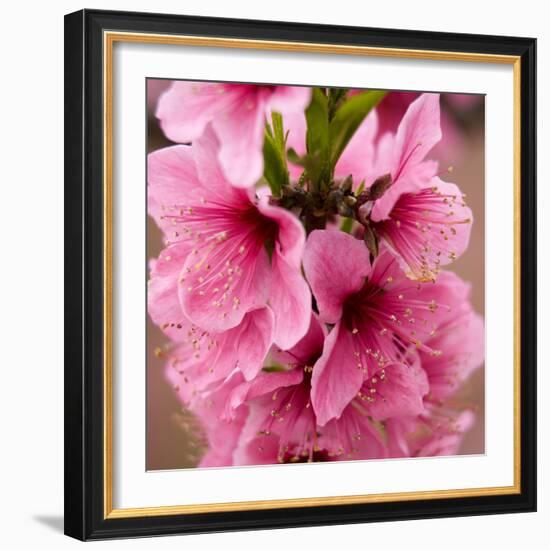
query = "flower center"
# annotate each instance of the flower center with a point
(317, 455)
(262, 230)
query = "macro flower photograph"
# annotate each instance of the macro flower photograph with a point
(315, 274)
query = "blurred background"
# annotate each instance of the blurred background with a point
(171, 432)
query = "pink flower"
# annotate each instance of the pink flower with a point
(233, 253)
(238, 113)
(444, 432)
(380, 318)
(199, 359)
(451, 147)
(402, 155)
(220, 437)
(421, 217)
(428, 229)
(460, 337)
(282, 426)
(439, 432)
(202, 359)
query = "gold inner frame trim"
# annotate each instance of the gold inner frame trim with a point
(109, 39)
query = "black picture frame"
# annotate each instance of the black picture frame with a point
(84, 282)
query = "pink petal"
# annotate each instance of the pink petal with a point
(290, 300)
(202, 360)
(418, 132)
(256, 451)
(295, 125)
(462, 344)
(192, 372)
(252, 448)
(252, 341)
(188, 369)
(336, 378)
(290, 236)
(172, 176)
(263, 384)
(392, 109)
(214, 458)
(220, 285)
(403, 156)
(460, 336)
(222, 435)
(353, 436)
(241, 132)
(244, 347)
(397, 430)
(215, 184)
(383, 159)
(186, 108)
(162, 291)
(414, 180)
(335, 265)
(259, 443)
(447, 438)
(396, 390)
(182, 178)
(308, 349)
(357, 159)
(289, 99)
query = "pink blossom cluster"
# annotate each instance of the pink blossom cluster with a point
(311, 320)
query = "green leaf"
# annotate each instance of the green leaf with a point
(275, 167)
(294, 157)
(311, 163)
(347, 225)
(278, 131)
(335, 97)
(348, 118)
(274, 171)
(317, 125)
(274, 368)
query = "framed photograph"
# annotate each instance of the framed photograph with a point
(300, 274)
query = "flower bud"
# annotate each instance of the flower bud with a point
(380, 186)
